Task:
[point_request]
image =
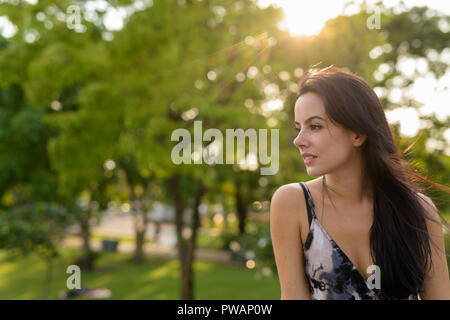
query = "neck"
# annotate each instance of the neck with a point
(349, 185)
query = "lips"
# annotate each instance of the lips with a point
(308, 156)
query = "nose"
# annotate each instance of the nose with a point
(300, 140)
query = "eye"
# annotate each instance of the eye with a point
(314, 127)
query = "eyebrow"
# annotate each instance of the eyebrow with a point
(310, 118)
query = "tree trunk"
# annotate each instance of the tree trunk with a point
(157, 231)
(187, 290)
(195, 225)
(241, 208)
(139, 250)
(139, 256)
(186, 247)
(140, 227)
(86, 259)
(186, 285)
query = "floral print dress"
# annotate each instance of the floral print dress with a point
(330, 273)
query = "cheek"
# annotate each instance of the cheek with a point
(334, 148)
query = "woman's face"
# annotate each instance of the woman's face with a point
(332, 146)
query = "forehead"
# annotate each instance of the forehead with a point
(309, 104)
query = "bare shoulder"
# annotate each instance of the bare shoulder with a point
(426, 199)
(288, 194)
(288, 201)
(429, 206)
(436, 284)
(288, 209)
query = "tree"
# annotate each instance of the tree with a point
(45, 65)
(32, 215)
(171, 78)
(35, 228)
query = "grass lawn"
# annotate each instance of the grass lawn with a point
(23, 278)
(156, 279)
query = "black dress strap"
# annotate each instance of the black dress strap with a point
(309, 202)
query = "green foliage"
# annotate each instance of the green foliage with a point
(33, 228)
(70, 101)
(253, 245)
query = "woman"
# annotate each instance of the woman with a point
(361, 230)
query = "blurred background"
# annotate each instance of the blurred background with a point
(90, 92)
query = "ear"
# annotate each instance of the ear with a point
(358, 139)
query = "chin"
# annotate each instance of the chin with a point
(312, 173)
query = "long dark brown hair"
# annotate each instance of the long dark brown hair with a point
(399, 238)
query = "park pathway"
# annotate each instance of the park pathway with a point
(165, 246)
